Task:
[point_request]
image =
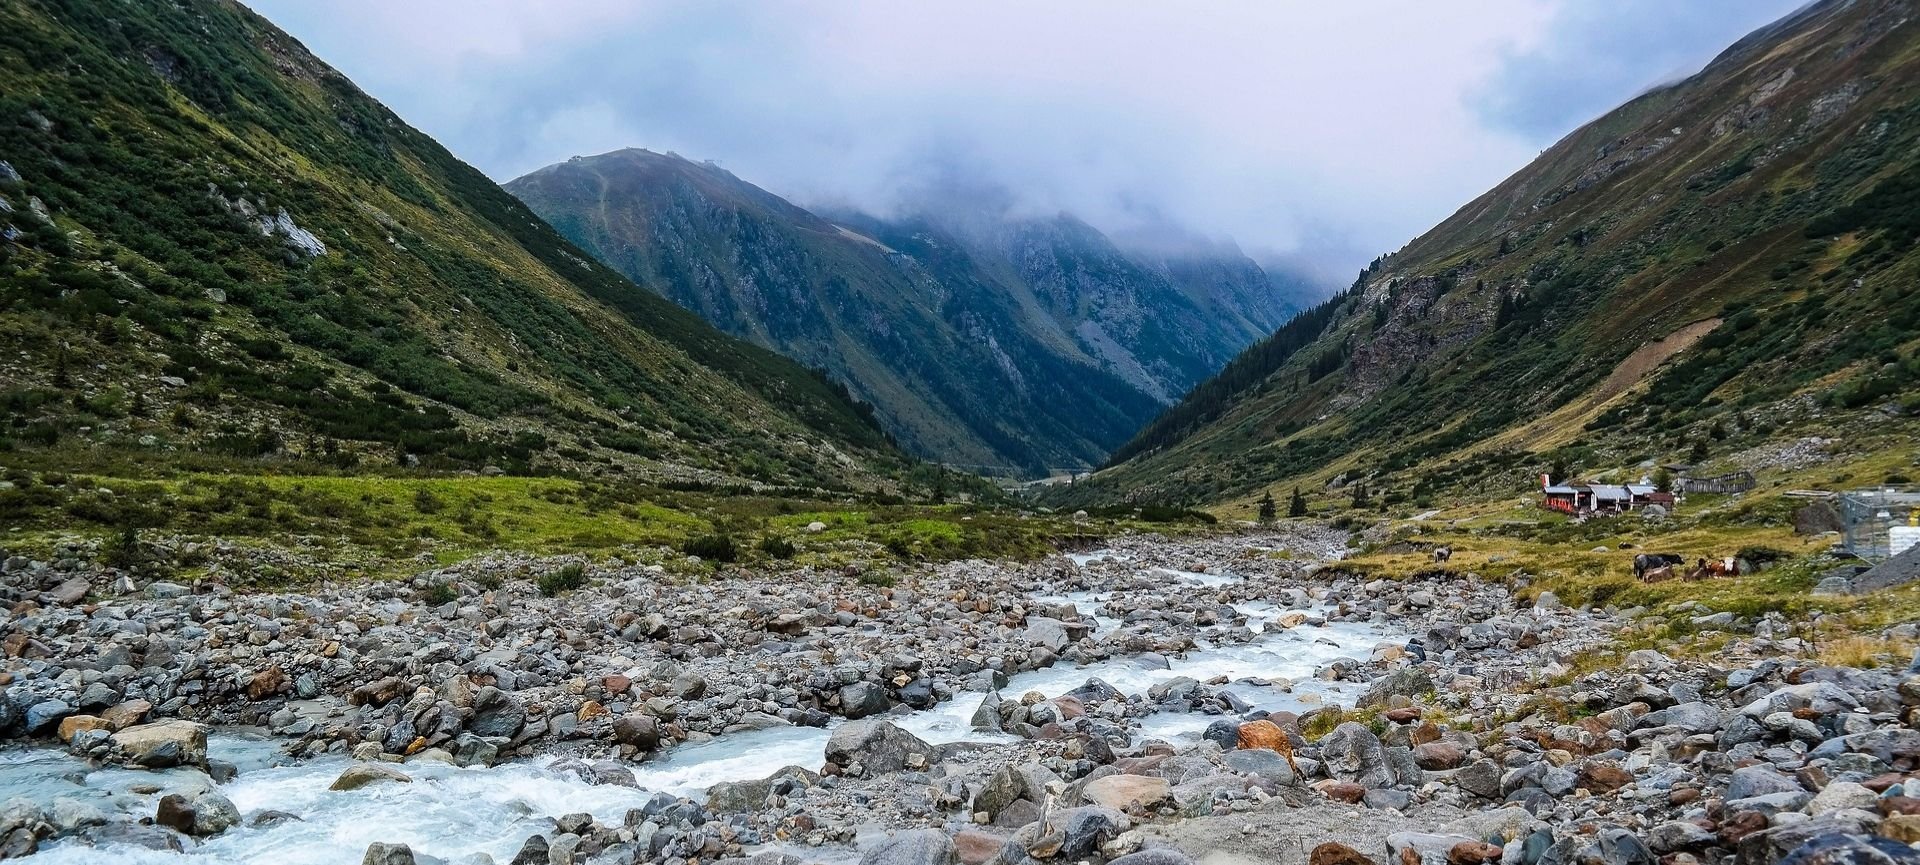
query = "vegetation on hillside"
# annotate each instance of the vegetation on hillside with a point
(211, 242)
(1765, 200)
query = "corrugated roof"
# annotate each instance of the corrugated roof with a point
(1605, 491)
(1561, 491)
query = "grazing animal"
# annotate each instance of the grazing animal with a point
(1656, 575)
(1442, 554)
(1648, 561)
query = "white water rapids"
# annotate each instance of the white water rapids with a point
(454, 813)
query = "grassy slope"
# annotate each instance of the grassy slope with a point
(445, 320)
(1770, 192)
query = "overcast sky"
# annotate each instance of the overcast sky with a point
(1333, 131)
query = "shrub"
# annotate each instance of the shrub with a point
(426, 502)
(439, 594)
(876, 578)
(712, 548)
(777, 547)
(564, 580)
(123, 550)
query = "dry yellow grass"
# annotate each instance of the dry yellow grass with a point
(1866, 652)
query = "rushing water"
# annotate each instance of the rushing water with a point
(455, 813)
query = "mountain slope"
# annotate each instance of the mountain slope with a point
(980, 340)
(1719, 262)
(215, 242)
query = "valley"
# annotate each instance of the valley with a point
(355, 507)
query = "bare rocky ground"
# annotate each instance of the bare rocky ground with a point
(1474, 742)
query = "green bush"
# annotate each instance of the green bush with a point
(439, 594)
(777, 547)
(564, 580)
(876, 578)
(712, 548)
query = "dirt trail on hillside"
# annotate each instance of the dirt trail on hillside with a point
(1566, 421)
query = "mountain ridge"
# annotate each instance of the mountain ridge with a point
(259, 259)
(1024, 344)
(1751, 194)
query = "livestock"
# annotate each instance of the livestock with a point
(1645, 562)
(1442, 554)
(1656, 575)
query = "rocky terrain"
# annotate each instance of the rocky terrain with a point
(1435, 720)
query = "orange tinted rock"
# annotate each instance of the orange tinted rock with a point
(74, 725)
(1336, 853)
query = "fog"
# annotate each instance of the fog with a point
(1316, 133)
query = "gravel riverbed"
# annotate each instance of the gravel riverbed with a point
(1152, 703)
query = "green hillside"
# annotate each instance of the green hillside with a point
(1720, 264)
(982, 340)
(216, 245)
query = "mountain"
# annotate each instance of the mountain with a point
(1728, 261)
(983, 339)
(214, 243)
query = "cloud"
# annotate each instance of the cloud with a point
(1325, 131)
(1592, 56)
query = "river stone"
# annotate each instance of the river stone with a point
(877, 747)
(44, 713)
(914, 847)
(137, 835)
(1425, 848)
(213, 814)
(470, 750)
(1750, 781)
(174, 812)
(361, 774)
(1120, 792)
(1263, 764)
(1336, 853)
(1353, 753)
(533, 852)
(1404, 682)
(638, 729)
(1841, 848)
(862, 699)
(164, 743)
(987, 717)
(382, 853)
(1481, 778)
(1841, 795)
(999, 791)
(1617, 846)
(738, 797)
(496, 713)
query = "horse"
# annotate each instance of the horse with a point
(1442, 554)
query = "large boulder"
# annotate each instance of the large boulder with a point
(163, 744)
(382, 853)
(1050, 634)
(877, 747)
(1124, 792)
(1353, 753)
(1404, 682)
(914, 847)
(496, 713)
(861, 699)
(638, 729)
